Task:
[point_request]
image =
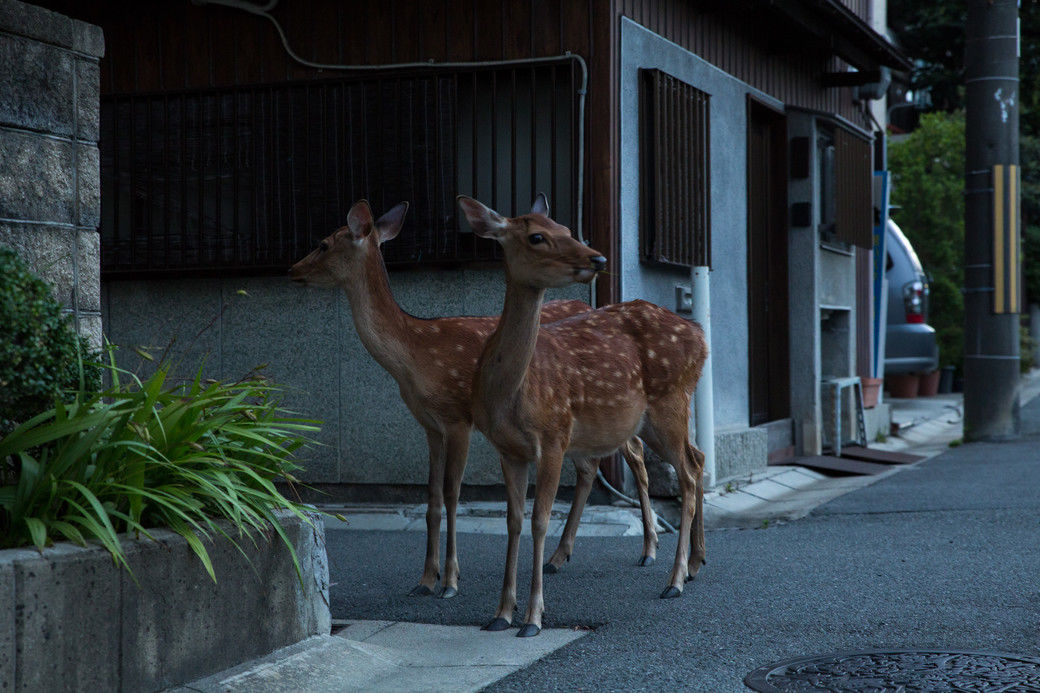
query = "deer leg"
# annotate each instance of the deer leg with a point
(632, 451)
(546, 485)
(697, 548)
(586, 469)
(515, 474)
(456, 449)
(434, 501)
(680, 569)
(669, 439)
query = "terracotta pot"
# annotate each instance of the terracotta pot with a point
(903, 386)
(871, 390)
(929, 386)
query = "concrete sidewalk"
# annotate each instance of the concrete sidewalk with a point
(388, 656)
(385, 655)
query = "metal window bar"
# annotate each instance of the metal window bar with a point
(675, 179)
(854, 212)
(249, 178)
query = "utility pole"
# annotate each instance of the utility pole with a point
(992, 257)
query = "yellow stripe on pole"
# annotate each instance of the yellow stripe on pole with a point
(998, 238)
(1012, 240)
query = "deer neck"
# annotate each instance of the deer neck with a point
(383, 327)
(509, 350)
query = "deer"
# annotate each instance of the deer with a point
(583, 386)
(433, 362)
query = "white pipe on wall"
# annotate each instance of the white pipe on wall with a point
(703, 397)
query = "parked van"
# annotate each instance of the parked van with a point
(910, 345)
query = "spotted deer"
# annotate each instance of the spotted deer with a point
(433, 362)
(582, 386)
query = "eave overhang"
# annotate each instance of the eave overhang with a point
(845, 33)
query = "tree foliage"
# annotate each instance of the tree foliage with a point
(927, 189)
(932, 33)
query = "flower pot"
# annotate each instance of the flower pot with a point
(929, 386)
(902, 386)
(871, 392)
(946, 379)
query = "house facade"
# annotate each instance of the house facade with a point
(669, 135)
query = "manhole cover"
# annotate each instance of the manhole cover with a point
(900, 670)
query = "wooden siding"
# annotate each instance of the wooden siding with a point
(157, 45)
(728, 36)
(170, 45)
(862, 8)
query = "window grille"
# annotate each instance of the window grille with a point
(853, 189)
(675, 180)
(250, 178)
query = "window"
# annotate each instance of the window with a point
(674, 201)
(825, 179)
(844, 185)
(249, 179)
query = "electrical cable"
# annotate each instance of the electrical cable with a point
(631, 501)
(264, 11)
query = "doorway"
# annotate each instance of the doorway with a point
(768, 341)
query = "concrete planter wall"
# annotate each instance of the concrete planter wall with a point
(70, 619)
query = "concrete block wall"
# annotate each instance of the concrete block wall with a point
(50, 191)
(307, 339)
(72, 620)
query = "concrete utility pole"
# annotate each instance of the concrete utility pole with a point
(992, 258)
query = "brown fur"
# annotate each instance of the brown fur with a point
(432, 360)
(583, 386)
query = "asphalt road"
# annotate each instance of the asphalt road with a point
(945, 554)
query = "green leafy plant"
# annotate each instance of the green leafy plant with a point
(151, 454)
(39, 351)
(1026, 346)
(928, 185)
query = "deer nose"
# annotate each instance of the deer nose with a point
(599, 263)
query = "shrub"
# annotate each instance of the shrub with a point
(928, 183)
(39, 350)
(151, 454)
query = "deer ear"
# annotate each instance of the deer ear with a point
(540, 205)
(389, 225)
(485, 222)
(359, 219)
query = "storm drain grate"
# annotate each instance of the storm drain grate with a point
(911, 671)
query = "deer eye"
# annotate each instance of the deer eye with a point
(536, 238)
(323, 246)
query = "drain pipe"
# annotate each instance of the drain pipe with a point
(703, 396)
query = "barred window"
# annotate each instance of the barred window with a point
(250, 178)
(853, 189)
(675, 182)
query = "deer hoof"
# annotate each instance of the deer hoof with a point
(420, 591)
(529, 630)
(646, 560)
(448, 593)
(496, 624)
(671, 592)
(550, 568)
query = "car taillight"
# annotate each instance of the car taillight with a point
(914, 295)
